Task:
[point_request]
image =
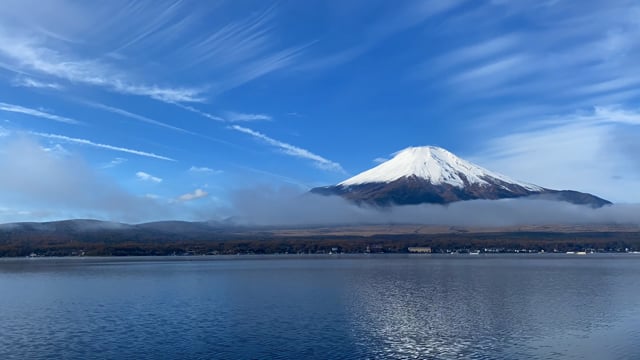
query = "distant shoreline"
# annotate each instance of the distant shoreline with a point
(102, 243)
(319, 256)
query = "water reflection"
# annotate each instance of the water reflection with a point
(432, 307)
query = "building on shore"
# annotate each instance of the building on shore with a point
(419, 249)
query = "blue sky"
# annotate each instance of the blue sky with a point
(174, 105)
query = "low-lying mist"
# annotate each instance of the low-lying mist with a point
(288, 206)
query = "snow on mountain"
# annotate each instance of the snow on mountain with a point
(430, 174)
(434, 164)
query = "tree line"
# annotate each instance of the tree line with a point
(119, 244)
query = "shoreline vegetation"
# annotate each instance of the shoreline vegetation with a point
(141, 241)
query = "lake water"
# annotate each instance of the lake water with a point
(329, 307)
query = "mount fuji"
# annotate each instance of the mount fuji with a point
(431, 174)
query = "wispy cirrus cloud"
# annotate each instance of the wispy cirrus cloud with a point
(33, 83)
(492, 74)
(229, 116)
(609, 85)
(235, 42)
(273, 175)
(241, 51)
(588, 58)
(165, 94)
(100, 145)
(37, 113)
(34, 54)
(240, 117)
(203, 170)
(476, 52)
(292, 150)
(143, 176)
(137, 117)
(231, 50)
(165, 125)
(201, 113)
(391, 21)
(262, 66)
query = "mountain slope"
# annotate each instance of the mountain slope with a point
(434, 175)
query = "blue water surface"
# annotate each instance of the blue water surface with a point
(322, 307)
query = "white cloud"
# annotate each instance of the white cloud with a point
(200, 112)
(57, 150)
(167, 43)
(62, 187)
(607, 114)
(141, 175)
(101, 146)
(380, 160)
(196, 194)
(292, 150)
(32, 83)
(594, 152)
(205, 170)
(32, 54)
(37, 113)
(230, 116)
(588, 50)
(169, 95)
(115, 162)
(238, 117)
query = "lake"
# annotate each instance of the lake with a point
(322, 307)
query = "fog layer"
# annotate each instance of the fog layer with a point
(288, 206)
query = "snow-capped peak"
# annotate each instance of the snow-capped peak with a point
(434, 164)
